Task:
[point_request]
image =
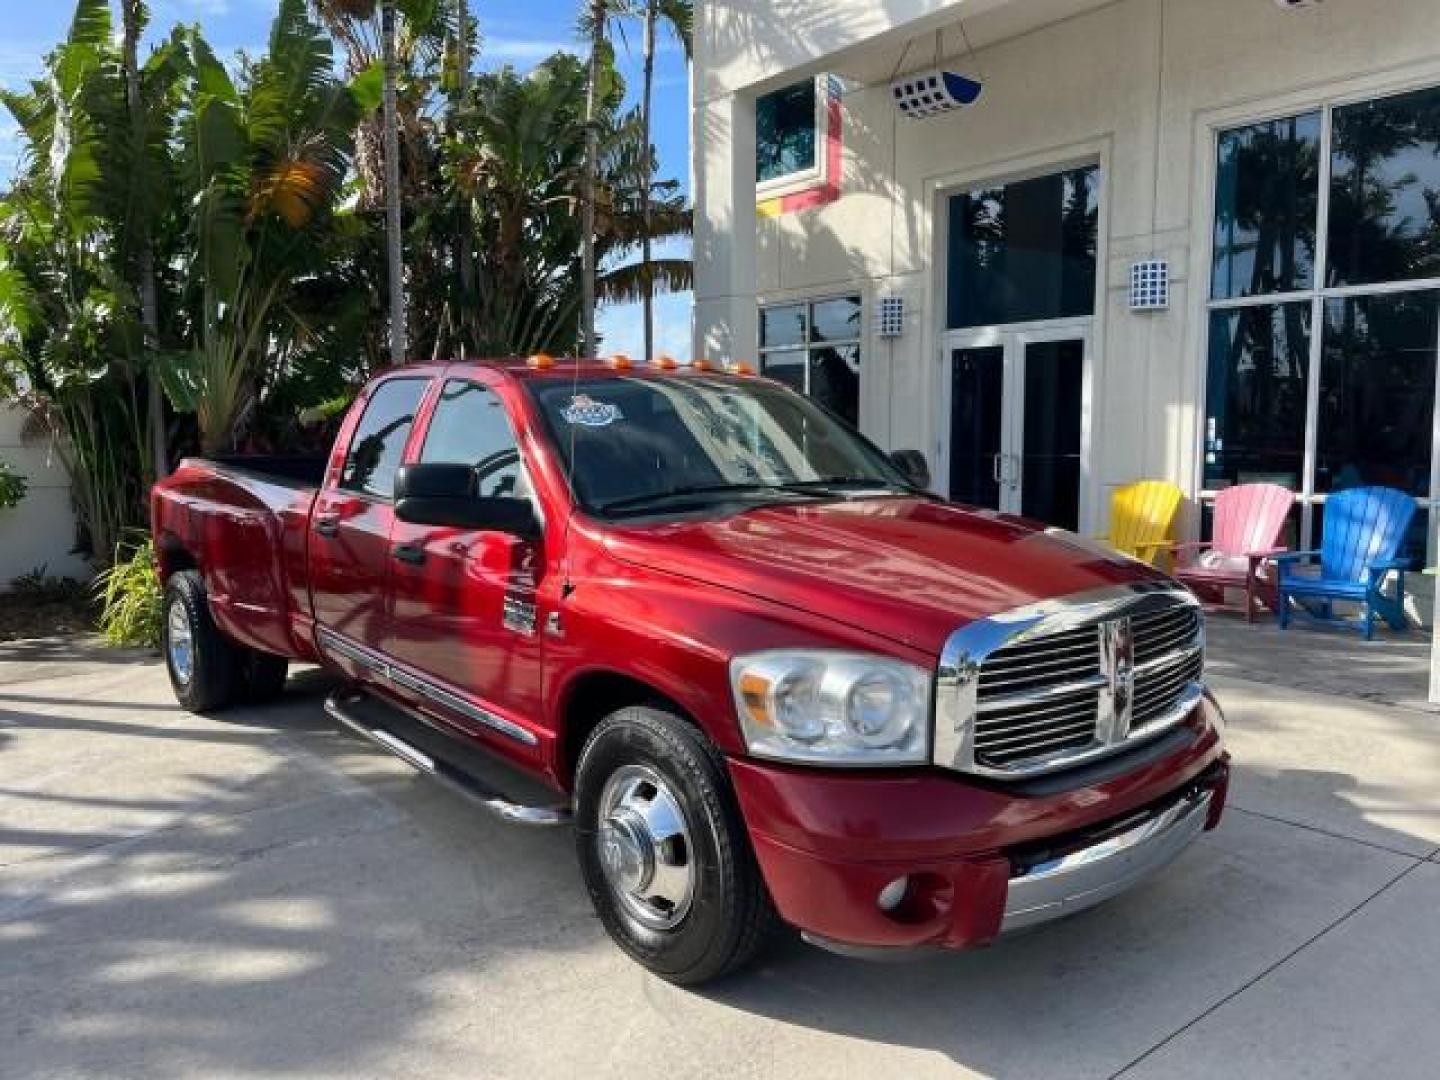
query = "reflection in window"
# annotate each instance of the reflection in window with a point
(784, 325)
(1025, 250)
(1377, 392)
(469, 427)
(673, 433)
(785, 137)
(1267, 194)
(379, 440)
(1255, 423)
(814, 348)
(1385, 190)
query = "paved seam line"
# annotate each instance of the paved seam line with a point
(1328, 832)
(1406, 705)
(1263, 974)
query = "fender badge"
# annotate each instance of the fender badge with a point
(587, 412)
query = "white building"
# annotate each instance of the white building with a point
(38, 534)
(1281, 161)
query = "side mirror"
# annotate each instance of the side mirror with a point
(912, 466)
(445, 495)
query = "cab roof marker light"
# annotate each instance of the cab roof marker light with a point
(540, 361)
(740, 367)
(701, 364)
(620, 362)
(665, 363)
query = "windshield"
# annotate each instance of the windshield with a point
(641, 444)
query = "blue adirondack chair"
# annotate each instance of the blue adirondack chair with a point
(1364, 528)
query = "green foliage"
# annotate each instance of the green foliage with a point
(131, 596)
(12, 486)
(38, 583)
(244, 199)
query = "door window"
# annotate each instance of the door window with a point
(1025, 251)
(470, 427)
(378, 444)
(1050, 470)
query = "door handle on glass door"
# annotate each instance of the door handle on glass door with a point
(997, 468)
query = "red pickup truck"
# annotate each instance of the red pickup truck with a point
(762, 671)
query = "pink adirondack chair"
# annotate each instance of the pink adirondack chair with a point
(1248, 521)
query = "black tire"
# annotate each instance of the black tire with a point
(730, 914)
(261, 676)
(210, 685)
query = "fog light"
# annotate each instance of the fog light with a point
(889, 898)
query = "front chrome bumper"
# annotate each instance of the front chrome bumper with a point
(1065, 884)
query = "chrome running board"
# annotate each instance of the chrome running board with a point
(365, 714)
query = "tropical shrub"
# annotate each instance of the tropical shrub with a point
(94, 179)
(216, 228)
(131, 598)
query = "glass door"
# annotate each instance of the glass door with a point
(1050, 440)
(1016, 420)
(977, 425)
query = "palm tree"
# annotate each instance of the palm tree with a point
(596, 25)
(394, 254)
(134, 17)
(265, 160)
(679, 16)
(93, 179)
(516, 159)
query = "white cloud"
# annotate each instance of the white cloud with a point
(502, 48)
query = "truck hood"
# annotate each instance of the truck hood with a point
(908, 569)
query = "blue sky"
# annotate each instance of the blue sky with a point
(516, 32)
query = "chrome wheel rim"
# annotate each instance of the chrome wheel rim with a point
(179, 643)
(643, 844)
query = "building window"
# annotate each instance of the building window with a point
(1024, 251)
(787, 133)
(814, 347)
(1325, 312)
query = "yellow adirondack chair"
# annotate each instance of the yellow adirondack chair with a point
(1142, 519)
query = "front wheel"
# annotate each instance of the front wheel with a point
(663, 850)
(200, 661)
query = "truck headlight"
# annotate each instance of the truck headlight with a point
(832, 708)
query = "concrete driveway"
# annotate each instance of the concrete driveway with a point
(262, 895)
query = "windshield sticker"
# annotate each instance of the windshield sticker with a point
(587, 412)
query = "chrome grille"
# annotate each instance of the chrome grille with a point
(1161, 633)
(1077, 681)
(1158, 688)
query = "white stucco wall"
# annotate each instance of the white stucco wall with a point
(1139, 85)
(40, 531)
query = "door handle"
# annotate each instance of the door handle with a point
(1012, 472)
(328, 526)
(413, 554)
(997, 468)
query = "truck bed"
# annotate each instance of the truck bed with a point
(293, 470)
(250, 516)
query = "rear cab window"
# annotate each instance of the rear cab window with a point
(377, 445)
